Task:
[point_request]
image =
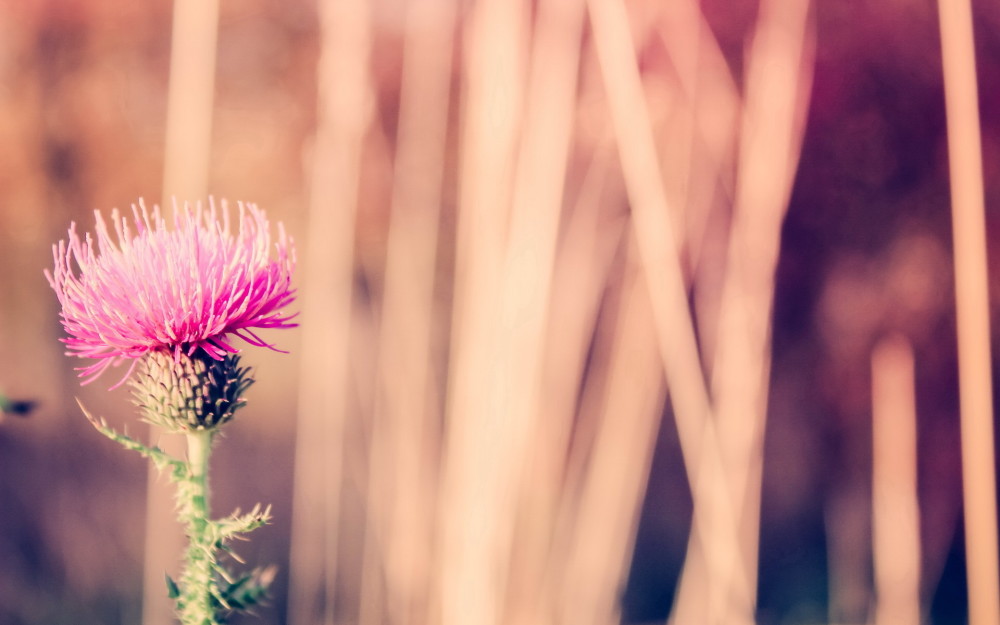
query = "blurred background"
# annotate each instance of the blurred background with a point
(568, 271)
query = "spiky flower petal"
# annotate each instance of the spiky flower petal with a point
(179, 290)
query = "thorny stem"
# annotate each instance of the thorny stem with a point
(195, 606)
(207, 590)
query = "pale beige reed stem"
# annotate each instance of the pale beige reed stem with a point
(528, 265)
(403, 403)
(708, 111)
(657, 249)
(711, 106)
(546, 508)
(895, 511)
(477, 442)
(344, 93)
(186, 167)
(190, 98)
(779, 78)
(972, 303)
(612, 494)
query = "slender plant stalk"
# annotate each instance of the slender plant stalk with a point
(403, 419)
(778, 80)
(616, 476)
(973, 311)
(343, 116)
(479, 445)
(895, 510)
(659, 255)
(186, 165)
(193, 507)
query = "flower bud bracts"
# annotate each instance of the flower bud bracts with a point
(184, 393)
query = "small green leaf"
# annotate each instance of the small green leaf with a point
(250, 589)
(172, 590)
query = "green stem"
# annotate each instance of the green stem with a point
(198, 585)
(200, 598)
(199, 443)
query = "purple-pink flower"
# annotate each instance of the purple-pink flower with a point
(191, 286)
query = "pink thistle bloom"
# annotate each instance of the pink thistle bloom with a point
(176, 290)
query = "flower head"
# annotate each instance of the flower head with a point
(178, 290)
(186, 393)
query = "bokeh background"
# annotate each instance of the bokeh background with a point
(473, 423)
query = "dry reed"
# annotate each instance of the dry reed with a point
(344, 109)
(895, 513)
(516, 498)
(186, 167)
(628, 418)
(658, 249)
(480, 449)
(405, 421)
(972, 305)
(725, 480)
(779, 77)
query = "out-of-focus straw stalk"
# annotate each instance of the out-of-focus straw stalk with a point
(628, 419)
(529, 264)
(481, 449)
(579, 278)
(895, 513)
(520, 504)
(722, 437)
(405, 421)
(186, 165)
(778, 82)
(702, 163)
(344, 93)
(972, 303)
(190, 97)
(658, 250)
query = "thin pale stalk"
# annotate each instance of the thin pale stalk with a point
(190, 97)
(402, 402)
(973, 311)
(619, 467)
(778, 85)
(580, 277)
(344, 93)
(659, 256)
(186, 165)
(711, 104)
(474, 464)
(895, 511)
(705, 81)
(528, 263)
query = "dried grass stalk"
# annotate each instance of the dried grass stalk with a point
(895, 512)
(403, 405)
(972, 303)
(607, 517)
(186, 166)
(779, 79)
(479, 452)
(660, 258)
(344, 92)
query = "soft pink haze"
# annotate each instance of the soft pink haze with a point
(191, 286)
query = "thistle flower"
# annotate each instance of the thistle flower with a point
(178, 291)
(169, 300)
